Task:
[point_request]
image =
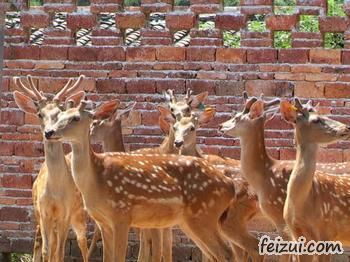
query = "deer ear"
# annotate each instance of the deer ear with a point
(166, 114)
(105, 110)
(257, 109)
(25, 103)
(126, 111)
(76, 98)
(288, 112)
(164, 125)
(207, 115)
(198, 99)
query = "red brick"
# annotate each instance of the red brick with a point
(287, 154)
(281, 22)
(6, 149)
(23, 64)
(15, 181)
(11, 117)
(53, 53)
(345, 57)
(59, 7)
(141, 86)
(212, 75)
(180, 21)
(306, 69)
(321, 77)
(261, 55)
(325, 56)
(178, 85)
(317, 3)
(111, 54)
(105, 8)
(200, 54)
(110, 86)
(329, 155)
(36, 19)
(205, 9)
(82, 53)
(228, 21)
(79, 20)
(333, 23)
(296, 56)
(26, 52)
(140, 54)
(29, 149)
(231, 55)
(337, 90)
(169, 53)
(308, 89)
(133, 20)
(258, 87)
(14, 214)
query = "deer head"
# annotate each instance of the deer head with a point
(72, 123)
(31, 101)
(314, 127)
(184, 127)
(101, 128)
(254, 109)
(184, 107)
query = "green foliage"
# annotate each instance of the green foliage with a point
(284, 7)
(35, 2)
(206, 25)
(132, 2)
(308, 23)
(334, 40)
(15, 257)
(231, 2)
(257, 24)
(182, 3)
(283, 39)
(232, 39)
(335, 8)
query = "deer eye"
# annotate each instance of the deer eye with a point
(40, 115)
(316, 120)
(192, 128)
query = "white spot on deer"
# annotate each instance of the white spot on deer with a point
(211, 203)
(188, 163)
(114, 204)
(171, 163)
(121, 204)
(148, 180)
(145, 187)
(194, 186)
(109, 183)
(280, 200)
(153, 175)
(202, 170)
(141, 163)
(272, 182)
(139, 175)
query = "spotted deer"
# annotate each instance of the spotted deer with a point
(327, 195)
(184, 129)
(109, 132)
(57, 202)
(121, 190)
(157, 243)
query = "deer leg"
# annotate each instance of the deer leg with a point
(37, 245)
(46, 247)
(167, 245)
(61, 238)
(96, 237)
(157, 244)
(79, 227)
(107, 238)
(234, 228)
(210, 236)
(145, 246)
(120, 241)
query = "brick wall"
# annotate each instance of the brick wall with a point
(141, 73)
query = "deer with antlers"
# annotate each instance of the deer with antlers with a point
(326, 194)
(121, 190)
(57, 202)
(109, 132)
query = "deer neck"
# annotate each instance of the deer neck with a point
(255, 161)
(167, 146)
(114, 142)
(191, 149)
(84, 163)
(58, 170)
(300, 182)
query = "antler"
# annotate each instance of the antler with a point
(188, 95)
(68, 88)
(31, 91)
(170, 94)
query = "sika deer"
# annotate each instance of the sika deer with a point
(109, 131)
(184, 129)
(57, 202)
(148, 191)
(328, 196)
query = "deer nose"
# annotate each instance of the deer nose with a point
(49, 134)
(178, 143)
